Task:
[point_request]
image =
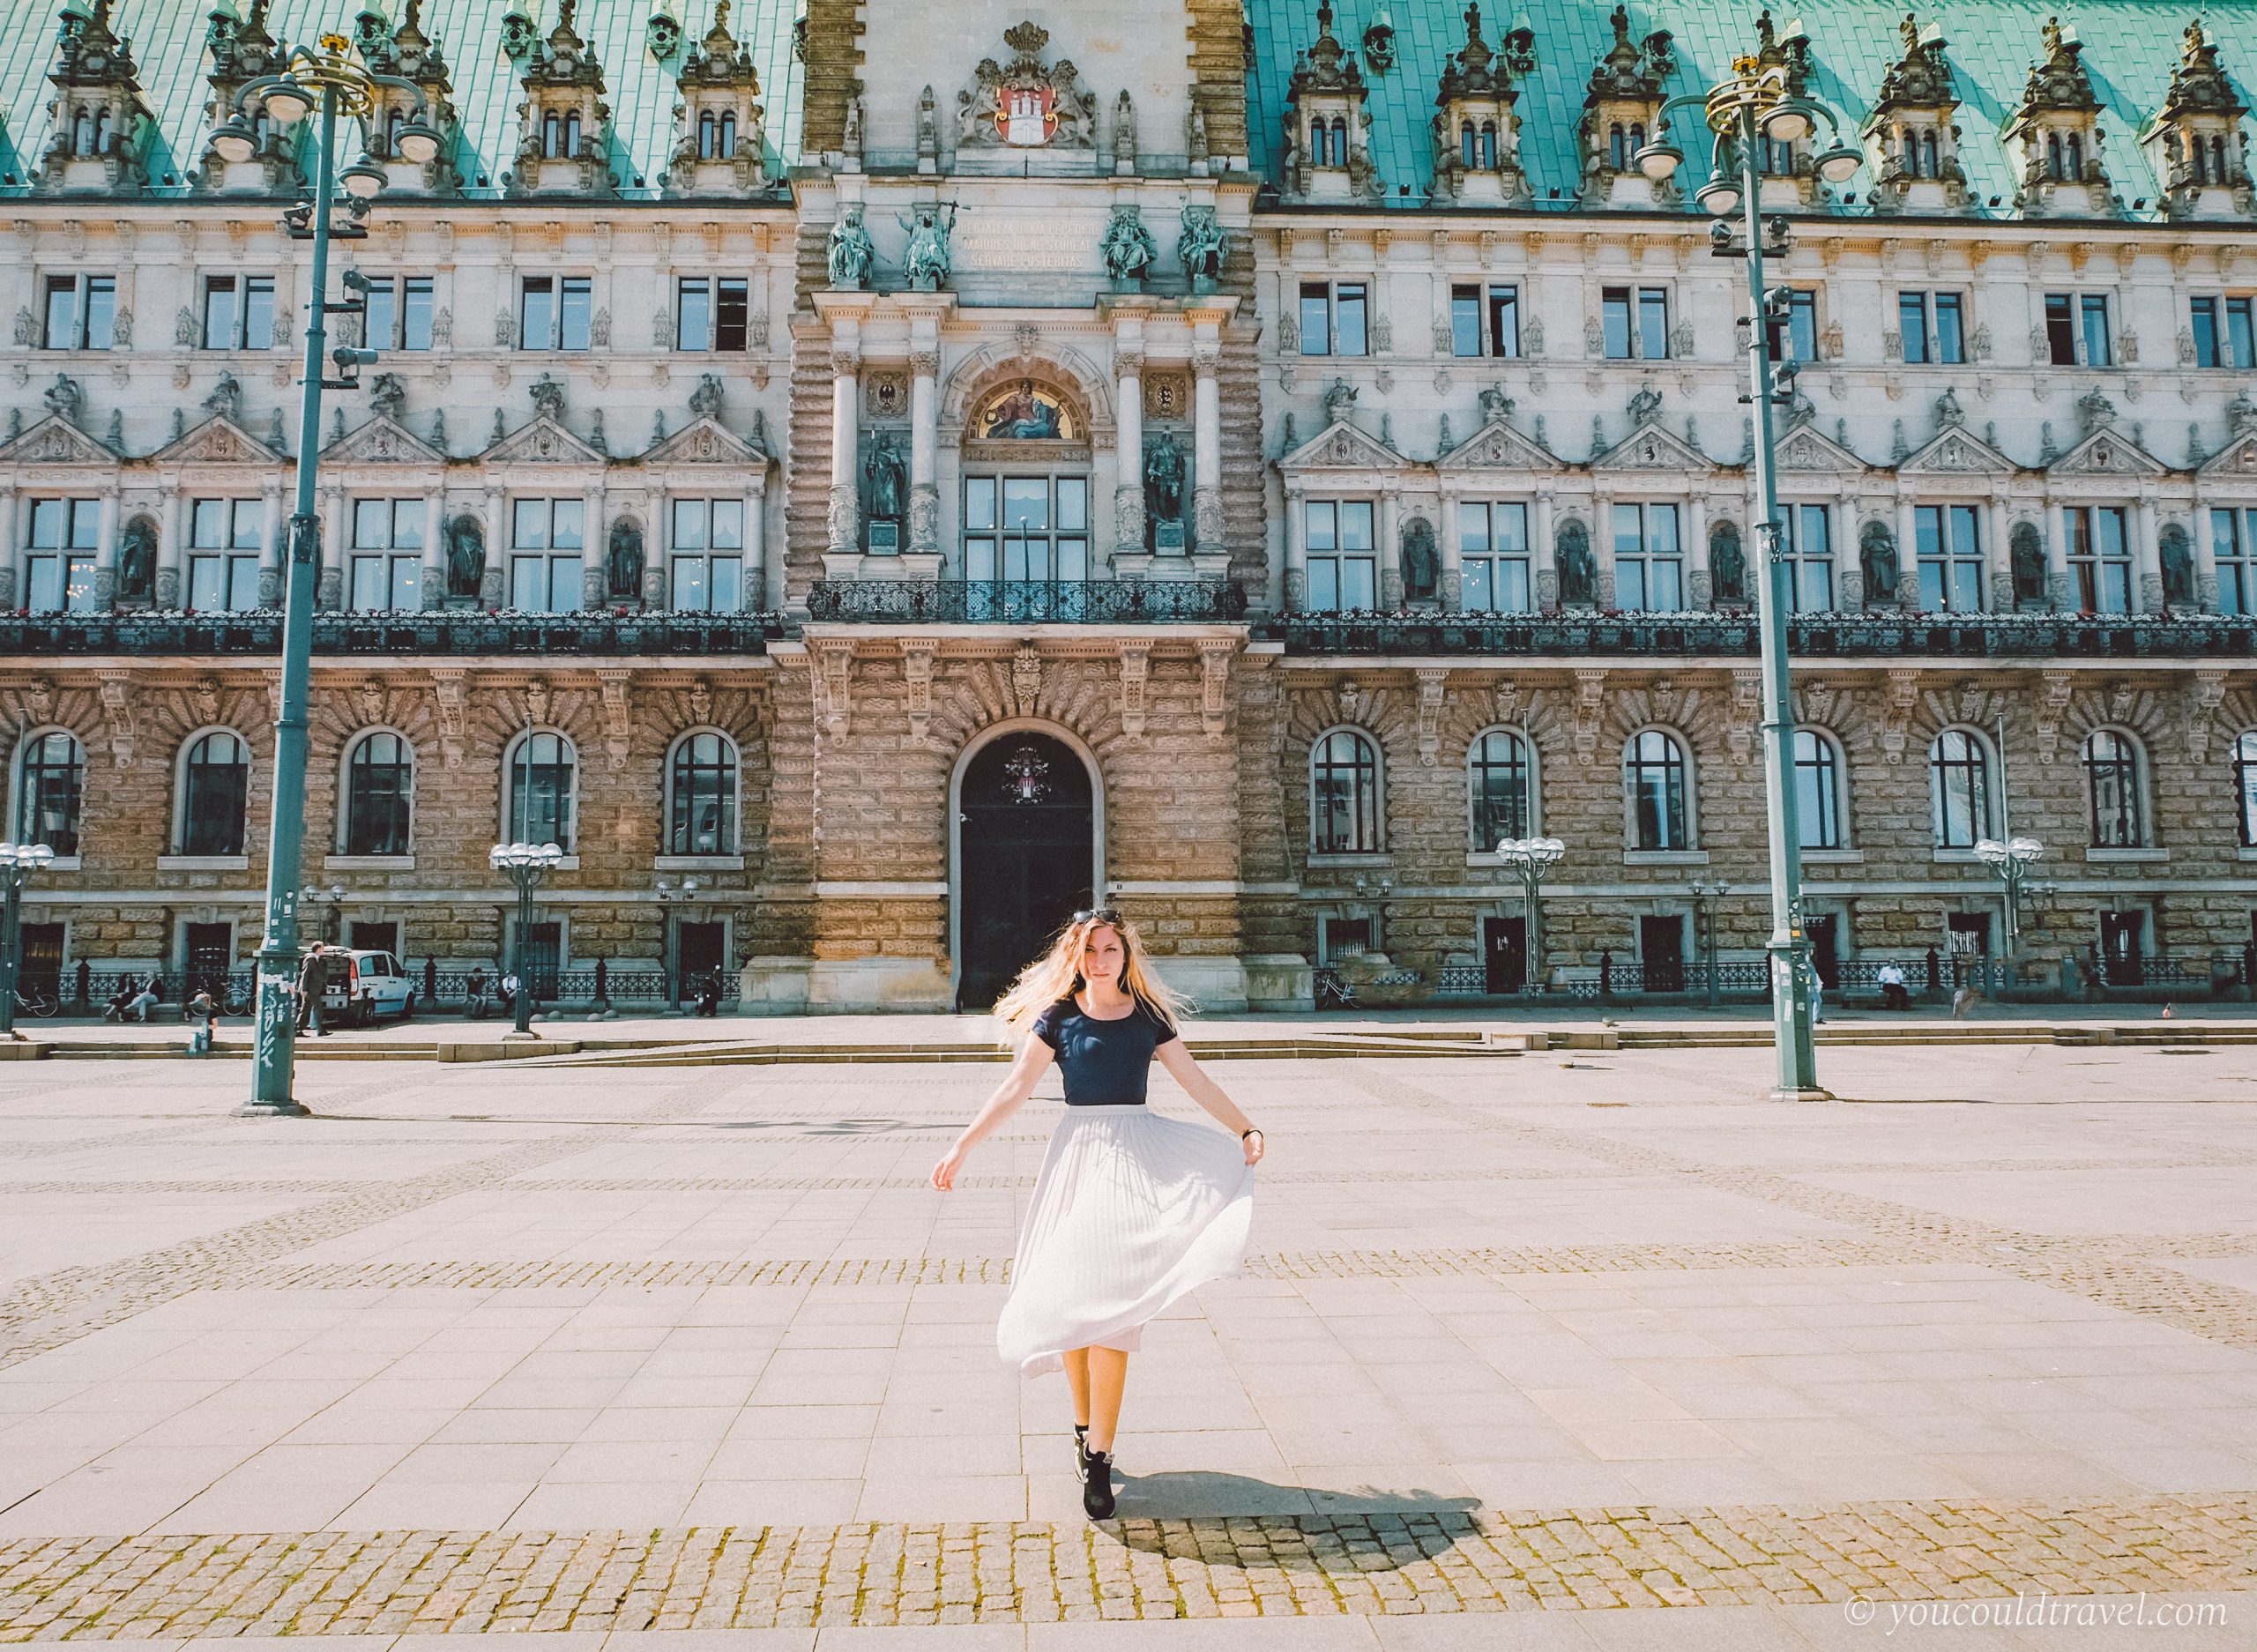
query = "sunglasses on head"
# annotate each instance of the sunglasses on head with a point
(1097, 915)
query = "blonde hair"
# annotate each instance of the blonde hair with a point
(1057, 973)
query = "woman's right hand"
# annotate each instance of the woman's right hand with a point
(952, 1161)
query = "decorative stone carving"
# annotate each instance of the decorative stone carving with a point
(1201, 245)
(1129, 247)
(465, 558)
(1327, 122)
(1620, 107)
(926, 263)
(1727, 565)
(2026, 557)
(1877, 562)
(623, 561)
(1025, 103)
(137, 560)
(1477, 133)
(1577, 571)
(1136, 663)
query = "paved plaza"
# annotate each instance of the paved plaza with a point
(1572, 1349)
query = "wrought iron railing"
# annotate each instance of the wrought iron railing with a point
(433, 631)
(1818, 635)
(83, 990)
(1077, 602)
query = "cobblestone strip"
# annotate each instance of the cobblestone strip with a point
(387, 1583)
(2112, 1269)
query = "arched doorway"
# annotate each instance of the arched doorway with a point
(1026, 856)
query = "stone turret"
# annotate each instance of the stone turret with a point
(1619, 111)
(564, 124)
(242, 50)
(1328, 126)
(408, 52)
(2199, 152)
(2054, 138)
(719, 132)
(1477, 134)
(1912, 135)
(98, 116)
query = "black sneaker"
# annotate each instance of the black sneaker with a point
(1096, 1486)
(1082, 1450)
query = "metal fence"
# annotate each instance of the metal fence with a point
(85, 991)
(1066, 602)
(432, 631)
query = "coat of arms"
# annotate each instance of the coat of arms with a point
(1026, 103)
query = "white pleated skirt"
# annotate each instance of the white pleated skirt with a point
(1132, 1209)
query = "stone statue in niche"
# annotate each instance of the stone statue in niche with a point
(1578, 572)
(1129, 247)
(2177, 559)
(137, 560)
(926, 263)
(2026, 556)
(1422, 563)
(64, 399)
(850, 251)
(465, 557)
(1163, 482)
(1201, 245)
(1877, 558)
(622, 562)
(883, 488)
(1727, 566)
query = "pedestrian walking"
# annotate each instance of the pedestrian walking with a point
(1131, 1210)
(313, 988)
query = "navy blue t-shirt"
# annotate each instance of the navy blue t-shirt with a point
(1106, 1063)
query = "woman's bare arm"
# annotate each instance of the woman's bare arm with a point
(1176, 1056)
(1034, 1059)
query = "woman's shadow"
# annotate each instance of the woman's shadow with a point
(1201, 1494)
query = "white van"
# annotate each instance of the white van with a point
(370, 985)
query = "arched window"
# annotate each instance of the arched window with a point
(2244, 787)
(724, 146)
(2111, 772)
(1928, 156)
(1501, 780)
(1637, 139)
(2195, 159)
(214, 788)
(1344, 795)
(82, 133)
(2218, 172)
(379, 795)
(1959, 770)
(1489, 146)
(539, 810)
(102, 131)
(50, 781)
(1818, 791)
(705, 134)
(1618, 147)
(1466, 146)
(2053, 155)
(702, 796)
(2076, 159)
(1653, 769)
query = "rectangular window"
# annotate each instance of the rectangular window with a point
(224, 539)
(1485, 323)
(387, 561)
(1634, 323)
(2233, 537)
(1912, 327)
(1492, 542)
(732, 313)
(1351, 329)
(555, 312)
(2221, 332)
(2099, 350)
(707, 553)
(1802, 325)
(545, 539)
(1465, 321)
(239, 312)
(2061, 330)
(1947, 549)
(60, 545)
(1653, 323)
(1317, 318)
(400, 313)
(81, 312)
(1649, 559)
(1343, 567)
(693, 318)
(1614, 307)
(1810, 555)
(2100, 557)
(1951, 333)
(1932, 326)
(1032, 528)
(713, 314)
(1504, 321)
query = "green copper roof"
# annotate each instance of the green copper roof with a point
(2131, 48)
(168, 39)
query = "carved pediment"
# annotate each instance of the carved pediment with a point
(1804, 450)
(703, 442)
(218, 440)
(1341, 447)
(2107, 452)
(1498, 446)
(2238, 458)
(381, 441)
(54, 440)
(542, 441)
(1954, 452)
(1651, 448)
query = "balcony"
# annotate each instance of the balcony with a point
(1997, 636)
(1023, 602)
(432, 632)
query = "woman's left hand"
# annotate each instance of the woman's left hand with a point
(1252, 1143)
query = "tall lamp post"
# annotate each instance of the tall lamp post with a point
(2010, 860)
(1755, 103)
(526, 864)
(331, 79)
(1531, 860)
(18, 862)
(1707, 892)
(671, 963)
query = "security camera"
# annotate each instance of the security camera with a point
(357, 281)
(1720, 234)
(347, 358)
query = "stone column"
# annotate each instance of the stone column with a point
(1908, 553)
(2147, 560)
(494, 584)
(1602, 548)
(595, 548)
(1386, 549)
(755, 597)
(1128, 491)
(656, 510)
(1545, 586)
(1700, 590)
(1296, 550)
(1206, 447)
(1450, 541)
(336, 528)
(172, 559)
(11, 554)
(924, 447)
(2057, 558)
(2206, 551)
(269, 546)
(1998, 562)
(434, 548)
(106, 550)
(845, 524)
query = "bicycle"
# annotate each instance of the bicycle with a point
(37, 1003)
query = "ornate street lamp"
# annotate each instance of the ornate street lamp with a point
(18, 862)
(1755, 103)
(2010, 861)
(668, 895)
(1531, 860)
(526, 864)
(1707, 892)
(330, 79)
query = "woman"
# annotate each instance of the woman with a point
(1131, 1210)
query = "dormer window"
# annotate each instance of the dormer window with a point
(2196, 139)
(560, 134)
(1624, 142)
(1325, 121)
(1911, 129)
(717, 136)
(1328, 141)
(1620, 107)
(1478, 147)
